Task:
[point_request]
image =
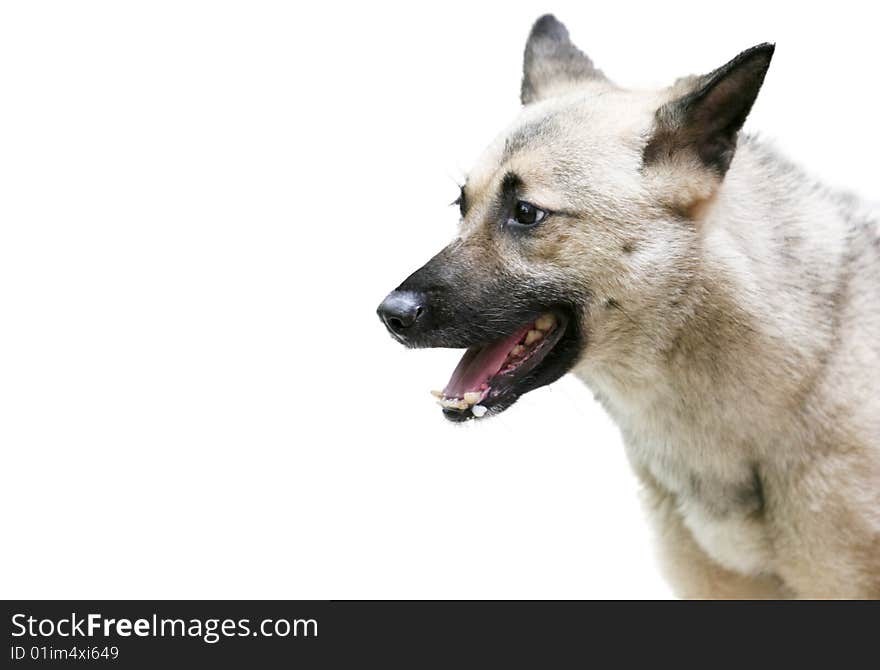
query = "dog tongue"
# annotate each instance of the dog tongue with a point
(480, 364)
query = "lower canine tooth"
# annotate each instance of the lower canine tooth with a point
(472, 397)
(546, 322)
(533, 336)
(478, 410)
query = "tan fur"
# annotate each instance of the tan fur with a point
(733, 333)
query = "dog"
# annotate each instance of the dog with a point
(723, 307)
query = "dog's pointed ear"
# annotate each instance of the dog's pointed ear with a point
(706, 118)
(551, 61)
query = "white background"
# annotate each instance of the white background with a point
(201, 205)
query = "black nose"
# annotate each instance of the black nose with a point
(400, 311)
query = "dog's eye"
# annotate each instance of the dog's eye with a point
(526, 214)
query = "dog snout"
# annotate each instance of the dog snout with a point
(402, 312)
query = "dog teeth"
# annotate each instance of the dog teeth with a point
(452, 403)
(545, 322)
(469, 400)
(533, 336)
(472, 397)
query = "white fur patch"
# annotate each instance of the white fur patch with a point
(737, 543)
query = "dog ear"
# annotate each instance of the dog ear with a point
(551, 61)
(705, 119)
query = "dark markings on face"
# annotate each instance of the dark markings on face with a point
(628, 247)
(529, 135)
(509, 187)
(510, 184)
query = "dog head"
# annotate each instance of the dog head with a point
(579, 223)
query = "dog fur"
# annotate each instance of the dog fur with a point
(728, 308)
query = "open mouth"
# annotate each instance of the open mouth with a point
(491, 376)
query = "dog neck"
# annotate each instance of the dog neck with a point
(753, 323)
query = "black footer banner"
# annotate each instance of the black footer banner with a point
(131, 634)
